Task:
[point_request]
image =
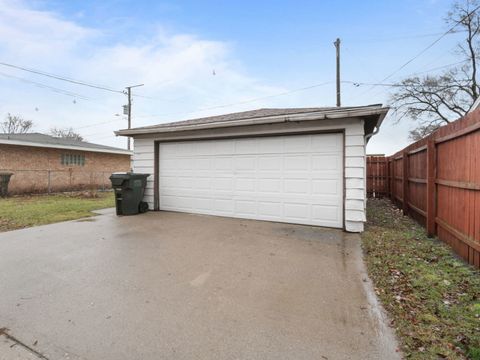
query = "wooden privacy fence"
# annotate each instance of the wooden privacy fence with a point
(377, 176)
(437, 182)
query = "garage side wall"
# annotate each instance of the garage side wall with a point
(143, 160)
(355, 177)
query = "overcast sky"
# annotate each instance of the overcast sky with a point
(199, 58)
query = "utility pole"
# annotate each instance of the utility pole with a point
(337, 46)
(129, 108)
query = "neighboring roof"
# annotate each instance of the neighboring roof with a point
(42, 140)
(376, 113)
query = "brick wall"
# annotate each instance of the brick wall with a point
(39, 169)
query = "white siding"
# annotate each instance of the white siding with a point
(143, 160)
(355, 177)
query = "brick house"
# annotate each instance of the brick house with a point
(43, 163)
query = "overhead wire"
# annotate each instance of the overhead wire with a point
(449, 31)
(45, 86)
(61, 78)
(404, 37)
(243, 102)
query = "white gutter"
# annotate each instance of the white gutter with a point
(377, 127)
(333, 114)
(68, 147)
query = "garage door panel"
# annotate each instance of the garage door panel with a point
(326, 143)
(326, 162)
(245, 146)
(326, 187)
(244, 184)
(323, 212)
(296, 163)
(297, 144)
(224, 206)
(222, 184)
(269, 145)
(269, 185)
(269, 163)
(246, 207)
(224, 147)
(296, 186)
(296, 211)
(285, 178)
(245, 163)
(270, 209)
(198, 163)
(223, 163)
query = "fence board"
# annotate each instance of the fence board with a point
(436, 180)
(377, 176)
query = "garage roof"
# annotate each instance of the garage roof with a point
(372, 114)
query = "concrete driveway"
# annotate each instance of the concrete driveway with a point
(178, 286)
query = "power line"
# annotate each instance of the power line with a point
(54, 89)
(439, 68)
(112, 135)
(96, 124)
(425, 49)
(405, 37)
(424, 72)
(62, 78)
(244, 102)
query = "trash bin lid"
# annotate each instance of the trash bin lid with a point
(127, 175)
(139, 175)
(120, 175)
(8, 173)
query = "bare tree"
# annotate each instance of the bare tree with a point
(435, 100)
(66, 133)
(14, 124)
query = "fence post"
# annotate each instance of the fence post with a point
(405, 182)
(49, 188)
(431, 187)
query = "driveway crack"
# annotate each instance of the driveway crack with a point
(4, 332)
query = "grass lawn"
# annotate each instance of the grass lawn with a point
(25, 211)
(432, 297)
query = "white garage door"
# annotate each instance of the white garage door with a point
(294, 179)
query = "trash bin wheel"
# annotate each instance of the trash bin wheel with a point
(143, 207)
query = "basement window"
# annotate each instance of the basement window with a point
(73, 159)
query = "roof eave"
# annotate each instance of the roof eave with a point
(332, 114)
(67, 147)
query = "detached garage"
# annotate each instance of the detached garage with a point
(304, 166)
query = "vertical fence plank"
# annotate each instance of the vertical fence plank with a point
(431, 188)
(387, 177)
(405, 182)
(392, 179)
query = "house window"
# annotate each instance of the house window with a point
(73, 159)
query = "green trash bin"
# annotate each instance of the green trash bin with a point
(4, 180)
(129, 190)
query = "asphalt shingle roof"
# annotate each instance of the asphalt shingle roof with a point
(51, 140)
(250, 114)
